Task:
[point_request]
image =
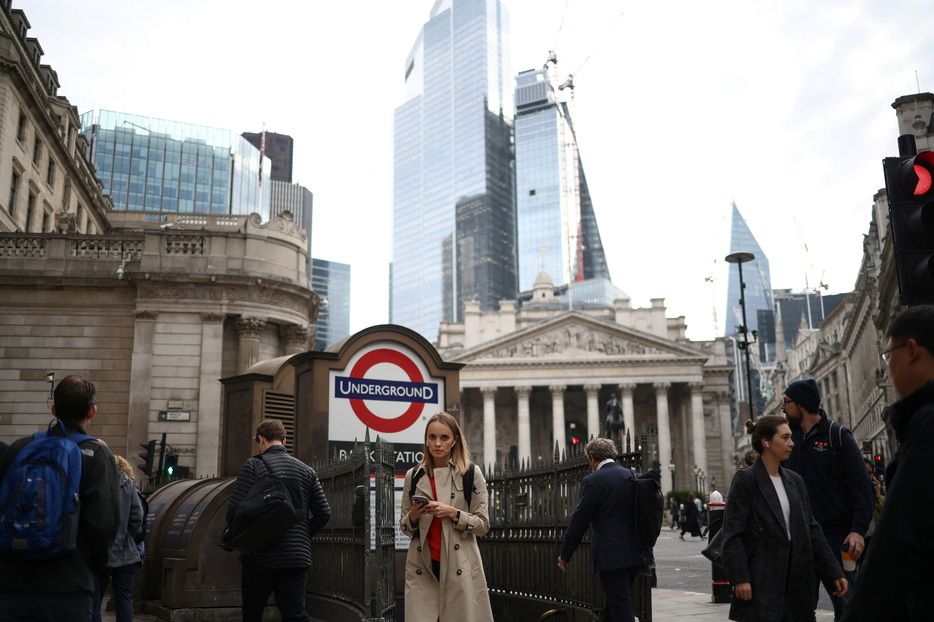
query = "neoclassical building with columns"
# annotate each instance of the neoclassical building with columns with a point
(537, 375)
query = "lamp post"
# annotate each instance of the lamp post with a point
(671, 467)
(739, 258)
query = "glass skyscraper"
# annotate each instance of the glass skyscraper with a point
(454, 223)
(557, 228)
(154, 165)
(331, 281)
(760, 314)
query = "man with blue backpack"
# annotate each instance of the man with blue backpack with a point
(59, 513)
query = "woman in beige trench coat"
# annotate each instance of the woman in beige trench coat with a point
(452, 588)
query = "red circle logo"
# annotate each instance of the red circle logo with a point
(364, 414)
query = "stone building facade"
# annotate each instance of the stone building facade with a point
(154, 308)
(538, 376)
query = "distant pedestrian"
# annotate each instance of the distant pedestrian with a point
(691, 518)
(606, 503)
(770, 540)
(674, 507)
(896, 580)
(281, 568)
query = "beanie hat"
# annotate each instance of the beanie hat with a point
(805, 394)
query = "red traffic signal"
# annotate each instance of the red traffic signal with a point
(909, 183)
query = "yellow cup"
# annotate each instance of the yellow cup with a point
(849, 564)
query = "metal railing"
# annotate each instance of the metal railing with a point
(530, 508)
(356, 558)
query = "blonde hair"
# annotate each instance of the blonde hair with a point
(124, 467)
(460, 454)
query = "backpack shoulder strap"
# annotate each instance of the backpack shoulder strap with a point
(468, 483)
(415, 477)
(836, 449)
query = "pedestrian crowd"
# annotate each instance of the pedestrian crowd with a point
(807, 512)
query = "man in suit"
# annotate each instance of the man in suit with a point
(607, 503)
(281, 568)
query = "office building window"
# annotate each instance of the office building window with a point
(14, 184)
(46, 218)
(37, 151)
(21, 128)
(50, 177)
(30, 209)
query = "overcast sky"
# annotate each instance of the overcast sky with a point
(681, 108)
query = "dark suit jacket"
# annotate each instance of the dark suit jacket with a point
(607, 503)
(781, 572)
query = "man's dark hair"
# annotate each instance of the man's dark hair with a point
(601, 449)
(271, 430)
(916, 323)
(74, 398)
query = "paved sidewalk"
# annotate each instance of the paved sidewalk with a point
(671, 605)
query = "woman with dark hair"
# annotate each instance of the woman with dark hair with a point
(444, 577)
(771, 542)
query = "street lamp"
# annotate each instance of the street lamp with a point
(739, 258)
(671, 467)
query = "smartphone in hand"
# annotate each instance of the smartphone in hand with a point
(420, 500)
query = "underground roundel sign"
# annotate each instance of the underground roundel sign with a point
(385, 386)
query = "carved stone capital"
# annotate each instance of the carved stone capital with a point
(488, 391)
(250, 327)
(294, 337)
(211, 317)
(627, 387)
(661, 386)
(523, 391)
(146, 315)
(592, 389)
(558, 389)
(696, 387)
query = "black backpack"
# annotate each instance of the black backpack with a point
(467, 479)
(264, 515)
(649, 508)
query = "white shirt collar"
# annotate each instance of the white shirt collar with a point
(608, 460)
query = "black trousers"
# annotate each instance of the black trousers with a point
(288, 584)
(617, 589)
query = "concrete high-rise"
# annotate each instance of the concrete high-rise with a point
(279, 149)
(454, 222)
(557, 228)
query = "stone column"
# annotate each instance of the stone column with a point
(664, 429)
(593, 410)
(249, 329)
(489, 426)
(697, 426)
(139, 408)
(207, 459)
(629, 412)
(725, 419)
(557, 416)
(523, 424)
(294, 338)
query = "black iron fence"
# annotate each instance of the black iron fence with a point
(529, 512)
(354, 554)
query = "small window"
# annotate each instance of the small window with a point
(46, 217)
(532, 192)
(37, 152)
(50, 177)
(14, 184)
(30, 210)
(21, 128)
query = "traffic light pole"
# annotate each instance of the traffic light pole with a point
(161, 459)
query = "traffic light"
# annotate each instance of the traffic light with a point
(148, 457)
(909, 184)
(878, 465)
(171, 464)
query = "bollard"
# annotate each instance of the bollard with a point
(720, 587)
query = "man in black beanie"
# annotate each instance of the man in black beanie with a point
(827, 457)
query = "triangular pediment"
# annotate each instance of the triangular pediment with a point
(574, 335)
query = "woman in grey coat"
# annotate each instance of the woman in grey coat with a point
(771, 542)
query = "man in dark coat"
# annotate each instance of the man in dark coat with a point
(62, 588)
(607, 503)
(282, 568)
(897, 579)
(839, 489)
